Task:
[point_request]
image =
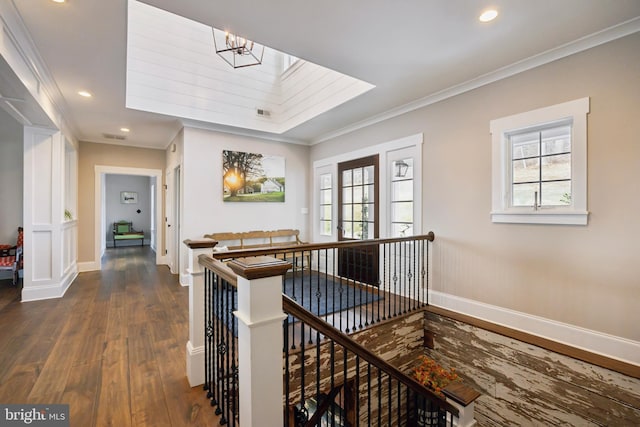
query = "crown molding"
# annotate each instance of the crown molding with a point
(584, 43)
(188, 123)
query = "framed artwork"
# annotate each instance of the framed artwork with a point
(130, 197)
(251, 177)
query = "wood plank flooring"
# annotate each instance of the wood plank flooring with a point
(113, 347)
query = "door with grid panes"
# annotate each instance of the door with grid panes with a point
(358, 218)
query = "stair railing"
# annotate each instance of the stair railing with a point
(359, 385)
(356, 386)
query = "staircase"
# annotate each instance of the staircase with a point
(323, 361)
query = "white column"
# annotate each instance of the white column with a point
(260, 339)
(195, 345)
(44, 276)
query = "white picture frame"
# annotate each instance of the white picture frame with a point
(128, 197)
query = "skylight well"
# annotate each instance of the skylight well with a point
(173, 68)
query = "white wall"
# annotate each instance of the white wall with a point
(582, 280)
(204, 211)
(11, 171)
(116, 211)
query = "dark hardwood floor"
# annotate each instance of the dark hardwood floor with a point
(113, 347)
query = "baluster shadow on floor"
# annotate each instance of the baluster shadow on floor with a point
(113, 347)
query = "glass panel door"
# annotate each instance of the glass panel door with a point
(358, 218)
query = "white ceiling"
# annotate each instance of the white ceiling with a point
(410, 50)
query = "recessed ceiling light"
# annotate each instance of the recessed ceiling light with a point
(58, 1)
(488, 15)
(85, 94)
(125, 129)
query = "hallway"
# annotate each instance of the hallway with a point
(113, 348)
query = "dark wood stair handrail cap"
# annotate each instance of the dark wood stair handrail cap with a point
(259, 267)
(200, 244)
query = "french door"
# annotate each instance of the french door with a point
(358, 197)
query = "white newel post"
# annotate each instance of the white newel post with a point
(462, 397)
(260, 339)
(195, 345)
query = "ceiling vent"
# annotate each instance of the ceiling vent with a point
(114, 137)
(263, 113)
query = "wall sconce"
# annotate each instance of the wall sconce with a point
(401, 168)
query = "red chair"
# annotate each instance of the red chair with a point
(11, 257)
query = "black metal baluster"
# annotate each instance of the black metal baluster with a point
(344, 385)
(347, 302)
(369, 393)
(412, 272)
(287, 374)
(318, 299)
(318, 366)
(235, 412)
(207, 334)
(326, 282)
(217, 341)
(302, 360)
(426, 277)
(356, 391)
(405, 277)
(379, 397)
(389, 398)
(340, 290)
(396, 300)
(399, 411)
(227, 372)
(333, 372)
(384, 274)
(219, 348)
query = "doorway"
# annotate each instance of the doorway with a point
(358, 218)
(101, 227)
(176, 222)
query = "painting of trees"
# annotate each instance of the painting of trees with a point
(252, 177)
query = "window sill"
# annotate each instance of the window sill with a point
(541, 217)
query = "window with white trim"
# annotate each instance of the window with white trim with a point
(325, 204)
(288, 61)
(539, 165)
(401, 197)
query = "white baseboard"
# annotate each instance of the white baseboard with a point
(619, 348)
(195, 365)
(185, 279)
(56, 290)
(88, 266)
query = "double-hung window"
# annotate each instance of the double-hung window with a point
(539, 165)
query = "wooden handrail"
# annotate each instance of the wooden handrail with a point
(220, 268)
(291, 307)
(241, 253)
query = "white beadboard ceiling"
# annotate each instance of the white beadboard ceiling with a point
(414, 52)
(172, 69)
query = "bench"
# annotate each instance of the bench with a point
(124, 231)
(261, 239)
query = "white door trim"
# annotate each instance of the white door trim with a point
(100, 172)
